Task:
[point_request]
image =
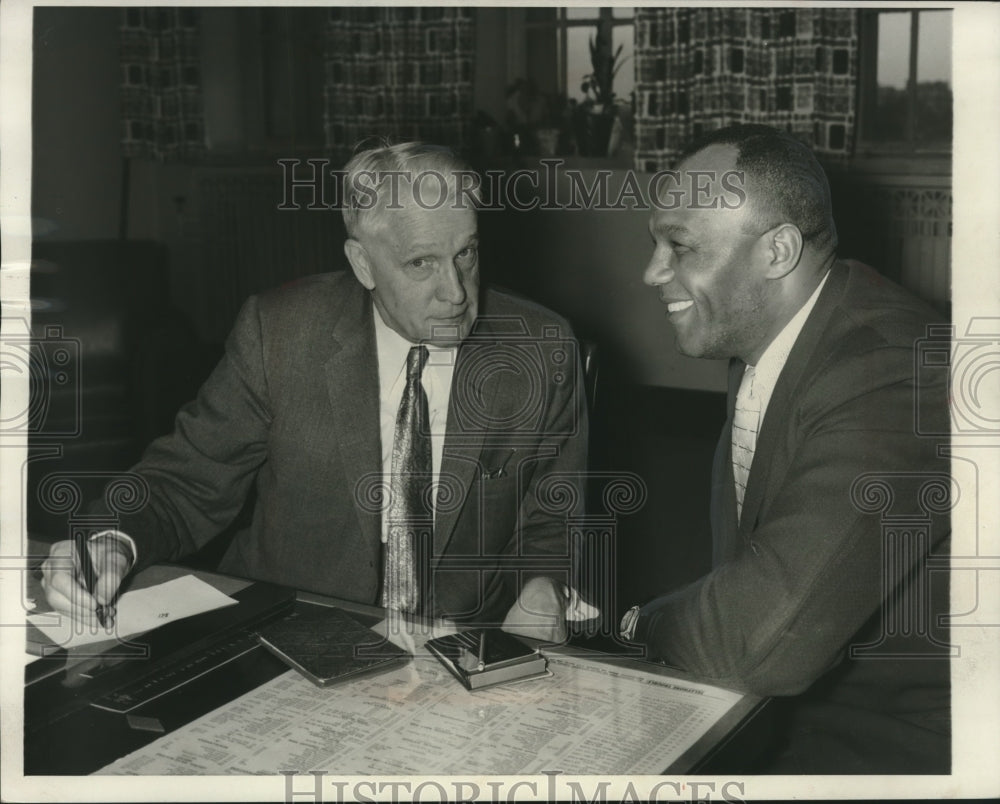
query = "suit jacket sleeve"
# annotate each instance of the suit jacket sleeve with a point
(777, 614)
(200, 474)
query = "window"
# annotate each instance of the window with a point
(905, 82)
(558, 48)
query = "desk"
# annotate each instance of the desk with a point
(79, 738)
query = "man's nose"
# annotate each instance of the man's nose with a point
(659, 270)
(450, 288)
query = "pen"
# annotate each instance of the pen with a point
(482, 650)
(89, 574)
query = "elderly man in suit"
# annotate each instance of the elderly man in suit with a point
(398, 426)
(807, 589)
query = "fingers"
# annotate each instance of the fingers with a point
(64, 587)
(112, 565)
(539, 612)
(63, 590)
(578, 609)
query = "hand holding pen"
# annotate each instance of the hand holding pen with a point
(88, 574)
(81, 577)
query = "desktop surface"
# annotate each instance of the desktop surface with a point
(84, 713)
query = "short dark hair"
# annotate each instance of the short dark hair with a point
(791, 184)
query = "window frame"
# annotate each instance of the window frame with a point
(561, 25)
(867, 96)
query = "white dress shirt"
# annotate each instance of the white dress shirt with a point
(773, 360)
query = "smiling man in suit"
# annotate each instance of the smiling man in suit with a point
(810, 597)
(398, 425)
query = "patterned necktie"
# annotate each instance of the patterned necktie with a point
(409, 512)
(746, 422)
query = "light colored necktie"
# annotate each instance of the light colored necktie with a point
(746, 422)
(410, 516)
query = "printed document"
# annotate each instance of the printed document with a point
(589, 717)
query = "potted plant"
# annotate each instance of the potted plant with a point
(595, 116)
(552, 134)
(537, 121)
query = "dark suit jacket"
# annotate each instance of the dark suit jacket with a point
(293, 407)
(838, 519)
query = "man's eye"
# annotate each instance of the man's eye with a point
(419, 263)
(467, 255)
(679, 248)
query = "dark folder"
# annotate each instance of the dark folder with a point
(328, 646)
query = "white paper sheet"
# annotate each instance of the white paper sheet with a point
(589, 717)
(137, 612)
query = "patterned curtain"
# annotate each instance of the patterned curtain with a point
(400, 72)
(701, 69)
(162, 111)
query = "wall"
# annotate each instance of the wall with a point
(77, 163)
(587, 264)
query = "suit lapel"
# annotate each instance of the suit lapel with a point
(352, 384)
(464, 436)
(723, 509)
(779, 408)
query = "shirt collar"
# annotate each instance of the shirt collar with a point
(392, 349)
(773, 360)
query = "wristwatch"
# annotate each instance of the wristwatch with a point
(627, 628)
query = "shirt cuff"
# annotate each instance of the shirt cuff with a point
(626, 630)
(124, 538)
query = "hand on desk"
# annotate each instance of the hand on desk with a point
(543, 608)
(65, 587)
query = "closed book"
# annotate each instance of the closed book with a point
(328, 646)
(486, 657)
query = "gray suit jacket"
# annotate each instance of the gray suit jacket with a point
(815, 569)
(292, 408)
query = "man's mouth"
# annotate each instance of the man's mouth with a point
(452, 318)
(679, 306)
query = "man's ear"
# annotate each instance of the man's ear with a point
(360, 262)
(784, 249)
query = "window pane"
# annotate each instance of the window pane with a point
(933, 99)
(577, 59)
(893, 49)
(576, 13)
(934, 48)
(888, 123)
(623, 12)
(625, 77)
